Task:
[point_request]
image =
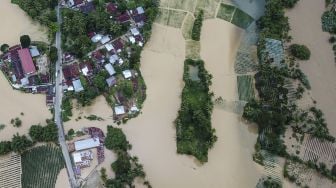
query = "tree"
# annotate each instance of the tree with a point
(20, 143)
(5, 147)
(116, 139)
(100, 80)
(53, 54)
(4, 48)
(300, 51)
(126, 87)
(71, 132)
(36, 133)
(196, 30)
(25, 41)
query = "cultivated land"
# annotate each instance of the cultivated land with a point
(320, 69)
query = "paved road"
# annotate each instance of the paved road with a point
(58, 103)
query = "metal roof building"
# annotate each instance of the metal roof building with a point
(86, 144)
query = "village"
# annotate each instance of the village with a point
(105, 70)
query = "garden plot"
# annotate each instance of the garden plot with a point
(193, 49)
(187, 26)
(10, 171)
(40, 166)
(226, 12)
(188, 5)
(245, 87)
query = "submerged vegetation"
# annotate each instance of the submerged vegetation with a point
(194, 134)
(126, 168)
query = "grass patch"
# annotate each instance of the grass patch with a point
(40, 166)
(187, 26)
(194, 134)
(225, 12)
(241, 19)
(245, 87)
(193, 49)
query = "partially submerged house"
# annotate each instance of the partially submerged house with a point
(86, 144)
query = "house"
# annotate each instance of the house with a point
(127, 74)
(67, 57)
(26, 61)
(139, 10)
(86, 144)
(110, 69)
(113, 58)
(77, 85)
(274, 51)
(105, 39)
(71, 71)
(86, 68)
(119, 110)
(99, 56)
(109, 47)
(135, 31)
(118, 45)
(34, 51)
(123, 18)
(131, 39)
(111, 8)
(111, 81)
(96, 38)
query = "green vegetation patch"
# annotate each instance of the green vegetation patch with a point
(193, 49)
(40, 166)
(241, 19)
(245, 87)
(208, 6)
(170, 17)
(187, 26)
(194, 134)
(188, 5)
(225, 12)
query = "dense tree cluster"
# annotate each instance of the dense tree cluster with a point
(300, 51)
(197, 27)
(46, 133)
(126, 167)
(194, 134)
(25, 41)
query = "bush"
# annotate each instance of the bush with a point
(196, 30)
(4, 48)
(25, 41)
(116, 139)
(332, 39)
(300, 51)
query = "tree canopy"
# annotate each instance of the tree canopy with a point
(25, 41)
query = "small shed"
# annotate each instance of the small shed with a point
(109, 47)
(34, 51)
(111, 81)
(127, 74)
(119, 110)
(96, 38)
(113, 58)
(135, 31)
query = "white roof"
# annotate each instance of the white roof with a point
(70, 88)
(131, 39)
(141, 44)
(109, 47)
(119, 110)
(110, 69)
(24, 81)
(105, 39)
(127, 74)
(34, 51)
(77, 85)
(96, 38)
(114, 58)
(14, 78)
(86, 144)
(85, 70)
(135, 31)
(140, 10)
(77, 157)
(134, 108)
(121, 61)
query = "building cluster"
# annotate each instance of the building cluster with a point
(82, 150)
(28, 69)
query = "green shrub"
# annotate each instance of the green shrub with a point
(196, 30)
(300, 51)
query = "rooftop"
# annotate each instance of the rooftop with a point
(26, 61)
(86, 144)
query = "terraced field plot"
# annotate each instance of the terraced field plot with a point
(187, 26)
(245, 87)
(208, 6)
(40, 167)
(193, 49)
(188, 5)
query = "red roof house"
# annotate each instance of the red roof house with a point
(111, 8)
(26, 61)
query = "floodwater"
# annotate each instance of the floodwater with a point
(15, 22)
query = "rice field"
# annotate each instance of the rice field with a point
(40, 166)
(245, 87)
(234, 15)
(225, 12)
(187, 26)
(208, 6)
(170, 17)
(188, 5)
(193, 49)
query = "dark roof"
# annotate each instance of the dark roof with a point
(14, 55)
(139, 18)
(111, 8)
(97, 55)
(77, 2)
(123, 17)
(138, 38)
(117, 44)
(87, 8)
(71, 71)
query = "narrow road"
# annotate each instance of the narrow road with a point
(58, 103)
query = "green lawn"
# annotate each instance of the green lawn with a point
(40, 167)
(245, 87)
(225, 12)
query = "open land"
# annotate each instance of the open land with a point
(306, 29)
